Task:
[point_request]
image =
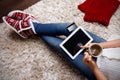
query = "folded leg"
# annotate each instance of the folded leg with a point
(53, 29)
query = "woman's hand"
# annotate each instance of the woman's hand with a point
(89, 61)
(86, 47)
(107, 44)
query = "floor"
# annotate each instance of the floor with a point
(8, 5)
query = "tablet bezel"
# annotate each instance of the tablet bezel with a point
(72, 34)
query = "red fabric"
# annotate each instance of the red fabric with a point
(99, 10)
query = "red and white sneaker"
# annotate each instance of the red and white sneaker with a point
(19, 15)
(23, 27)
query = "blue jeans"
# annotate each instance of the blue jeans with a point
(50, 32)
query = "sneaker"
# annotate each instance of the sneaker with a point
(23, 27)
(19, 15)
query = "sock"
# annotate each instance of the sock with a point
(99, 10)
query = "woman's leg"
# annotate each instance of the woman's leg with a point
(52, 29)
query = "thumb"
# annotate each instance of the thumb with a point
(86, 56)
(86, 53)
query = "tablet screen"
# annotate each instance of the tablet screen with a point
(71, 45)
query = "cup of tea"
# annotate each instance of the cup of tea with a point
(95, 50)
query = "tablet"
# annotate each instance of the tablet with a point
(71, 45)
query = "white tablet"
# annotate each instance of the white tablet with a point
(71, 45)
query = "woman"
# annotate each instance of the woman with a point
(25, 25)
(110, 67)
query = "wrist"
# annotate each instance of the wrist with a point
(95, 69)
(102, 45)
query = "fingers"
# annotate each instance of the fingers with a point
(86, 47)
(86, 53)
(87, 58)
(89, 61)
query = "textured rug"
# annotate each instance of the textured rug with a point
(32, 59)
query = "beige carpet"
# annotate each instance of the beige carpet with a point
(32, 59)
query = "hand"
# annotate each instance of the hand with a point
(86, 47)
(89, 61)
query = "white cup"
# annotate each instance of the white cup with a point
(95, 50)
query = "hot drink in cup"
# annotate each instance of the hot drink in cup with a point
(95, 50)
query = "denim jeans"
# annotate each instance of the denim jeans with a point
(50, 34)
